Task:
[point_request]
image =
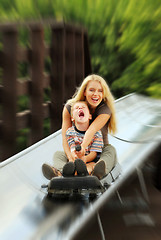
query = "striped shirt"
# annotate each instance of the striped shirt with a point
(75, 137)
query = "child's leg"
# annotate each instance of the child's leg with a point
(90, 167)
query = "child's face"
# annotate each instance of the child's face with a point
(80, 113)
(94, 93)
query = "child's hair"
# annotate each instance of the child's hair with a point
(107, 97)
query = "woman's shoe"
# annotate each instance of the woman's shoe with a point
(99, 169)
(68, 169)
(50, 172)
(81, 168)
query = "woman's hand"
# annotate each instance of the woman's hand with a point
(78, 154)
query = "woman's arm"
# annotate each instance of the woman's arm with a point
(66, 123)
(95, 126)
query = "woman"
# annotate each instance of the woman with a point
(95, 91)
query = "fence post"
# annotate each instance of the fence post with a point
(70, 80)
(79, 56)
(87, 60)
(57, 76)
(9, 96)
(37, 68)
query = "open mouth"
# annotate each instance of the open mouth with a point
(95, 99)
(81, 114)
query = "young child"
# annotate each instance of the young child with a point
(81, 119)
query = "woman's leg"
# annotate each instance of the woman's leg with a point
(109, 156)
(60, 159)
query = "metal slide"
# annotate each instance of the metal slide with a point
(26, 212)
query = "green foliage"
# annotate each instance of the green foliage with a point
(23, 103)
(22, 139)
(124, 39)
(124, 36)
(154, 90)
(46, 127)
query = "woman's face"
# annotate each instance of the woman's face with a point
(94, 93)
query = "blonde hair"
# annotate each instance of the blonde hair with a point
(107, 97)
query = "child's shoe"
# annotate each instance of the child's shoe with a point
(81, 168)
(68, 169)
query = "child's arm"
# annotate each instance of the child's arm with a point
(72, 145)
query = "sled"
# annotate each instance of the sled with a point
(67, 186)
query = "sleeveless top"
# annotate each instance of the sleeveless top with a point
(102, 108)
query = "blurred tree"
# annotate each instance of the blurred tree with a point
(124, 36)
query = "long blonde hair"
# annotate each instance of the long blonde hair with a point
(107, 97)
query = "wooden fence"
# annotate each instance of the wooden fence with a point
(68, 54)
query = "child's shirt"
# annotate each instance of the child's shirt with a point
(75, 137)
